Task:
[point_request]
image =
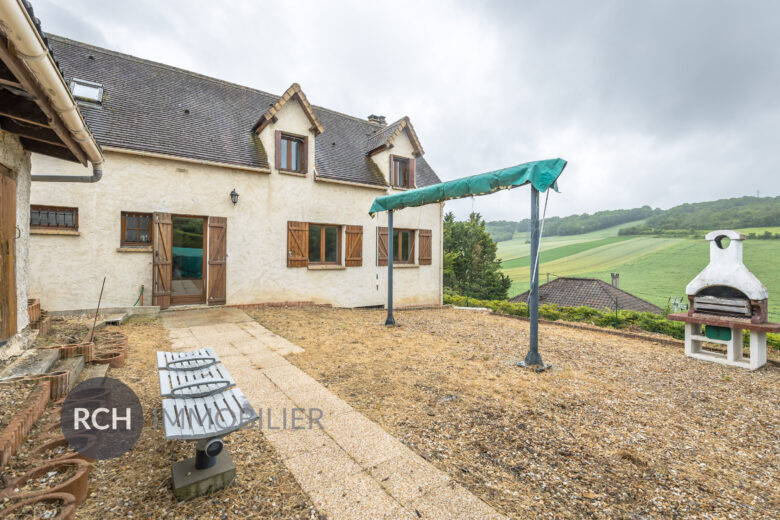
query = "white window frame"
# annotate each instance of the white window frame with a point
(91, 84)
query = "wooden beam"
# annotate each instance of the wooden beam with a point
(6, 78)
(31, 86)
(38, 133)
(60, 152)
(17, 107)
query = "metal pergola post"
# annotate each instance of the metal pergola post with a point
(533, 357)
(390, 320)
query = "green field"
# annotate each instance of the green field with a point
(652, 268)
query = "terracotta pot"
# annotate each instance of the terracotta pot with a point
(66, 500)
(114, 359)
(39, 453)
(75, 485)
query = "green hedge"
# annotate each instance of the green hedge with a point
(625, 319)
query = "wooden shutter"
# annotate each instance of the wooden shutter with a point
(381, 246)
(425, 246)
(278, 150)
(8, 319)
(297, 244)
(162, 268)
(305, 155)
(354, 256)
(412, 178)
(217, 261)
(413, 238)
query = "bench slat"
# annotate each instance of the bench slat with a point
(201, 426)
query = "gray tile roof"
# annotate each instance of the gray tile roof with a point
(588, 292)
(152, 107)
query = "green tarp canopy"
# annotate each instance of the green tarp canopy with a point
(542, 174)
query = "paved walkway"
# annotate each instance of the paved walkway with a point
(350, 468)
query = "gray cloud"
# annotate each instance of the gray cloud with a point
(650, 102)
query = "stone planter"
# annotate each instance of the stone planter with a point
(114, 357)
(66, 501)
(43, 326)
(39, 453)
(19, 426)
(34, 310)
(75, 485)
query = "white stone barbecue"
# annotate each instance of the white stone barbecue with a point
(725, 299)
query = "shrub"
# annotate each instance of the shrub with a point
(625, 319)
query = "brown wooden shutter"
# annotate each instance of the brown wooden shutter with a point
(305, 155)
(411, 246)
(425, 246)
(217, 293)
(391, 174)
(381, 246)
(297, 244)
(162, 252)
(354, 256)
(278, 149)
(8, 308)
(412, 178)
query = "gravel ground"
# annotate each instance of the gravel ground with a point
(138, 484)
(618, 428)
(12, 397)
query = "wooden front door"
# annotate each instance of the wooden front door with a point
(162, 260)
(7, 253)
(217, 252)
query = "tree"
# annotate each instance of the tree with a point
(471, 267)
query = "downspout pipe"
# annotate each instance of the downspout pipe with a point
(30, 48)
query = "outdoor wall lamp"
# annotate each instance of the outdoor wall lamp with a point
(234, 196)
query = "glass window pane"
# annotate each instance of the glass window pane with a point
(131, 235)
(314, 243)
(295, 154)
(405, 246)
(144, 235)
(35, 217)
(395, 245)
(132, 222)
(86, 91)
(285, 146)
(331, 244)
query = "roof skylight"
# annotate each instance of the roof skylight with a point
(86, 90)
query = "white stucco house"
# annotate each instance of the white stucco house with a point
(215, 193)
(38, 115)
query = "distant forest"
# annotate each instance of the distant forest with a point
(502, 230)
(687, 219)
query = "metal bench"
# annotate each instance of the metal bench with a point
(202, 402)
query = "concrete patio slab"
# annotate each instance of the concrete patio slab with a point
(351, 468)
(194, 317)
(407, 477)
(451, 501)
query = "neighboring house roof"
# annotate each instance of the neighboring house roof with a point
(588, 292)
(157, 108)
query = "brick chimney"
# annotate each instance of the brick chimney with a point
(377, 119)
(615, 280)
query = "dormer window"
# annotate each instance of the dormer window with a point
(399, 176)
(86, 90)
(291, 153)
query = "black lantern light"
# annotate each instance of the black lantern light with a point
(234, 196)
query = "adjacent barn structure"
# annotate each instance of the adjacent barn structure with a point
(588, 292)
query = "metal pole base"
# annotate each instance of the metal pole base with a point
(390, 321)
(533, 360)
(204, 460)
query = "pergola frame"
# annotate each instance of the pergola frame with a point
(542, 175)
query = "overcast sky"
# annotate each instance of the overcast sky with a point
(654, 103)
